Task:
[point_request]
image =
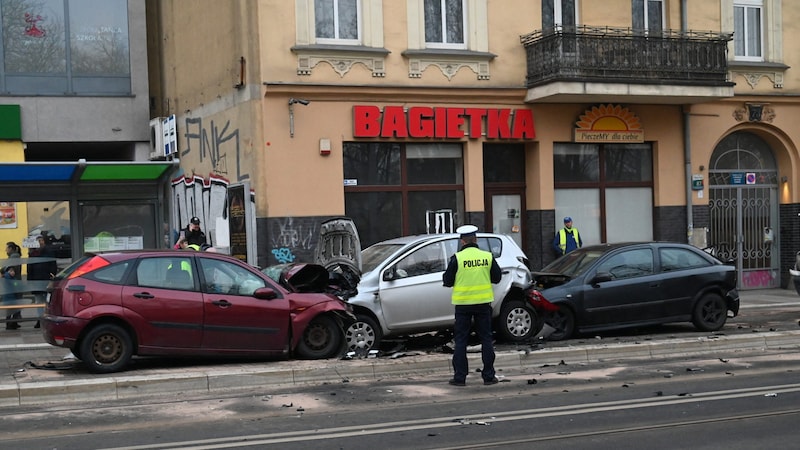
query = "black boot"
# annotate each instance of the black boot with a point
(11, 325)
(38, 325)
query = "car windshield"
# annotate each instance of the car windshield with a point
(374, 255)
(573, 263)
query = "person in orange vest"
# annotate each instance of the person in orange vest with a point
(471, 273)
(567, 239)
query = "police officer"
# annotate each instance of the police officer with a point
(471, 273)
(567, 239)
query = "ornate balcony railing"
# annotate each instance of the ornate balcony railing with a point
(624, 55)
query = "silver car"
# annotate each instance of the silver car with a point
(401, 293)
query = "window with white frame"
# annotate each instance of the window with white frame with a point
(648, 15)
(748, 42)
(337, 21)
(445, 23)
(559, 14)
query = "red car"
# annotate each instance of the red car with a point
(108, 307)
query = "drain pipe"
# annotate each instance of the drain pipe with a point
(687, 145)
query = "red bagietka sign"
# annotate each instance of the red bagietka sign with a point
(427, 122)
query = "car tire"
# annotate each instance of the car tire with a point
(106, 348)
(563, 323)
(518, 322)
(363, 335)
(321, 339)
(710, 313)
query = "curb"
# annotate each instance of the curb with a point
(237, 378)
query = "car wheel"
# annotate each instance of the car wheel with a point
(363, 335)
(517, 322)
(710, 313)
(563, 323)
(106, 348)
(321, 339)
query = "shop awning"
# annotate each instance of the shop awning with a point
(83, 171)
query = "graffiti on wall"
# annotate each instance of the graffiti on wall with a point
(293, 239)
(297, 235)
(201, 197)
(283, 255)
(216, 144)
(759, 279)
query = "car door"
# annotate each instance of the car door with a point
(683, 276)
(165, 311)
(632, 295)
(234, 319)
(415, 298)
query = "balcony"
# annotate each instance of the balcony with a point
(605, 64)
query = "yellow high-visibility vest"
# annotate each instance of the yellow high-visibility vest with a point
(562, 239)
(473, 284)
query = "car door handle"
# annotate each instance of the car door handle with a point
(655, 285)
(222, 303)
(144, 295)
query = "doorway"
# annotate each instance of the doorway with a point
(504, 190)
(506, 215)
(743, 209)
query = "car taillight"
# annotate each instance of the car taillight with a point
(539, 302)
(91, 265)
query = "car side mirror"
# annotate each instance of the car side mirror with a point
(601, 277)
(388, 274)
(265, 293)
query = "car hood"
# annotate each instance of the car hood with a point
(303, 277)
(546, 280)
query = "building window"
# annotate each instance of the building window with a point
(747, 30)
(605, 188)
(648, 15)
(445, 22)
(559, 14)
(36, 37)
(394, 189)
(337, 21)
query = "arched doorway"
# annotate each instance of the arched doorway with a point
(743, 208)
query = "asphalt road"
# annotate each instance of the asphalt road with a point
(742, 402)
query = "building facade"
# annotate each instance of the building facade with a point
(74, 134)
(642, 120)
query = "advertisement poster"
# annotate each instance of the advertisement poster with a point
(8, 215)
(237, 220)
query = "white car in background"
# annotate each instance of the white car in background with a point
(401, 293)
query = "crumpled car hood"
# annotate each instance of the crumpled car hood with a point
(545, 280)
(305, 277)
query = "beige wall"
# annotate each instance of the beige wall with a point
(202, 45)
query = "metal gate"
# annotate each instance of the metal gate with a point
(743, 208)
(740, 229)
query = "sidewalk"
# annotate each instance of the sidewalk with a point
(23, 385)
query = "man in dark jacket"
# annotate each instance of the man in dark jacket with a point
(193, 234)
(42, 270)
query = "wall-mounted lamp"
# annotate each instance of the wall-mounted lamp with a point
(784, 179)
(292, 102)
